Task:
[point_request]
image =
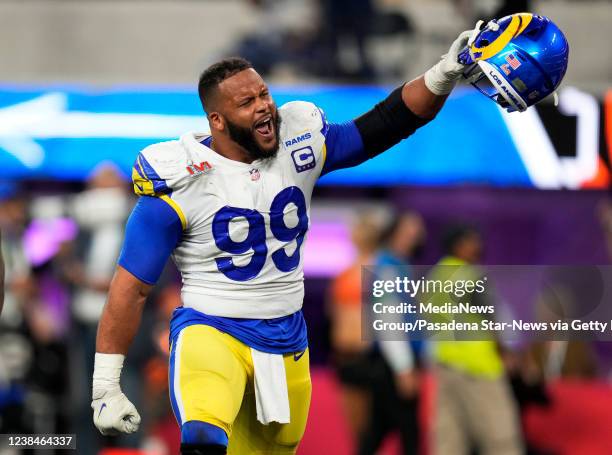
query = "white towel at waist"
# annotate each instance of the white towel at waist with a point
(271, 395)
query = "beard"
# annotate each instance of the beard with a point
(245, 137)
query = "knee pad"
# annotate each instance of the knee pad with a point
(203, 449)
(202, 438)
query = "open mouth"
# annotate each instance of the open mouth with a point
(264, 128)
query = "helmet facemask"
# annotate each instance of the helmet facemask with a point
(491, 83)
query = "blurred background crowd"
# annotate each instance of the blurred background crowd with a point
(61, 237)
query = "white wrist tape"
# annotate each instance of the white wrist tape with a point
(107, 370)
(438, 82)
(441, 79)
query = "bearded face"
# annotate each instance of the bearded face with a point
(261, 139)
(246, 111)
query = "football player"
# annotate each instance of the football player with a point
(232, 209)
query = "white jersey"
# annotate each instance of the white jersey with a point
(241, 254)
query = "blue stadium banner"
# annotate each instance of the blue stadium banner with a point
(58, 132)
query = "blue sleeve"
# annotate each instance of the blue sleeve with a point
(344, 146)
(152, 232)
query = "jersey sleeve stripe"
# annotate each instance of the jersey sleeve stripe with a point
(176, 208)
(139, 170)
(142, 185)
(325, 126)
(324, 153)
(159, 184)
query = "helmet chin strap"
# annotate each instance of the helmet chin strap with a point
(555, 98)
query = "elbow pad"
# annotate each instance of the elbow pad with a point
(387, 123)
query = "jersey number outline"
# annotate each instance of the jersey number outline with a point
(256, 236)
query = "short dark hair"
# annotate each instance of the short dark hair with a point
(216, 73)
(455, 234)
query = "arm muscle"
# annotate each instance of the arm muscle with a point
(122, 313)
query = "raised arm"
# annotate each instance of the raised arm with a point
(152, 232)
(406, 109)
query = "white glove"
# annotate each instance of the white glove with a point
(112, 411)
(443, 76)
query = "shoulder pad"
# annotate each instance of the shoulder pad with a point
(158, 168)
(302, 115)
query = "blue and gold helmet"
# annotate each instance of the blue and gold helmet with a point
(517, 60)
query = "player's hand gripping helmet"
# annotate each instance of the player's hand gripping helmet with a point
(517, 60)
